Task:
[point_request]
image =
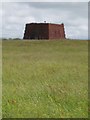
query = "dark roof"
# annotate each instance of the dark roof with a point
(45, 23)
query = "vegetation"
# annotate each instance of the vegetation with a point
(0, 79)
(45, 79)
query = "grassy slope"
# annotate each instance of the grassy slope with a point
(0, 79)
(45, 79)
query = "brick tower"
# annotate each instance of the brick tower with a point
(44, 31)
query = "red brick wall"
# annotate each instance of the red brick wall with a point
(56, 31)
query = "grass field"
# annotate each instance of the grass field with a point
(45, 79)
(0, 79)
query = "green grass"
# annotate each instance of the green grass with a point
(0, 79)
(45, 79)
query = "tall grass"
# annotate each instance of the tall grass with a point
(45, 79)
(0, 79)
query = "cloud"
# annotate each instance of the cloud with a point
(73, 14)
(89, 20)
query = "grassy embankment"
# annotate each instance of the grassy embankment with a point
(45, 79)
(0, 79)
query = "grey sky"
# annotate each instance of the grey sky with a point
(44, 0)
(73, 14)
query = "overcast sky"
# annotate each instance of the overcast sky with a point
(74, 15)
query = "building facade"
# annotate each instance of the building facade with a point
(44, 31)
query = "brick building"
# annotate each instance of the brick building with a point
(44, 31)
